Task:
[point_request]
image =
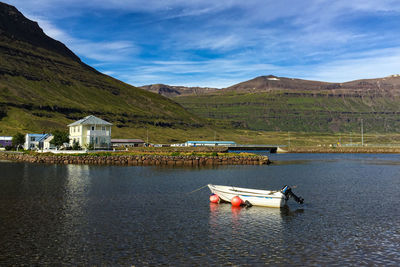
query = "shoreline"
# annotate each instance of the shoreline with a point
(344, 150)
(136, 160)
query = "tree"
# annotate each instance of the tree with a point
(18, 140)
(76, 146)
(89, 146)
(60, 137)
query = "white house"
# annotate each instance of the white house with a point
(46, 143)
(91, 131)
(34, 141)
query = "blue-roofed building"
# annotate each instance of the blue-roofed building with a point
(34, 141)
(210, 143)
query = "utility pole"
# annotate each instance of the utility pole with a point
(288, 138)
(147, 136)
(362, 133)
(351, 141)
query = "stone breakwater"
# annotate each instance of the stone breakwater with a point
(128, 160)
(351, 150)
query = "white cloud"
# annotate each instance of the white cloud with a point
(104, 51)
(226, 72)
(371, 64)
(116, 51)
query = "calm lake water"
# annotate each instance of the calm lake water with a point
(111, 215)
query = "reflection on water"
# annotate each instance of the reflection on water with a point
(256, 232)
(108, 215)
(230, 222)
(77, 185)
(290, 162)
(225, 212)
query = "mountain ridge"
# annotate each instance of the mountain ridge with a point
(15, 25)
(172, 91)
(389, 85)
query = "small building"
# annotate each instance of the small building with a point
(34, 141)
(127, 142)
(5, 141)
(210, 143)
(180, 144)
(46, 143)
(90, 131)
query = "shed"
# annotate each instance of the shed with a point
(5, 141)
(127, 142)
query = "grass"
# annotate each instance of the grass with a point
(298, 111)
(150, 153)
(41, 90)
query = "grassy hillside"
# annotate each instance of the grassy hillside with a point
(44, 86)
(296, 110)
(270, 103)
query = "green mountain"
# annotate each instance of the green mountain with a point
(45, 86)
(273, 103)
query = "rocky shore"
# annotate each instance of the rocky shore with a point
(130, 160)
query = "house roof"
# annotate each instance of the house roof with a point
(6, 138)
(49, 138)
(38, 137)
(90, 120)
(127, 141)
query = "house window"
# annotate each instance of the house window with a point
(32, 139)
(103, 128)
(92, 128)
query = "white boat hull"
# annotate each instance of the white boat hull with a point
(265, 198)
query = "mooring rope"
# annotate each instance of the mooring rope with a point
(197, 189)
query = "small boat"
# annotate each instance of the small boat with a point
(249, 197)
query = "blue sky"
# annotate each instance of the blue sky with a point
(213, 43)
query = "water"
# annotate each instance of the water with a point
(110, 215)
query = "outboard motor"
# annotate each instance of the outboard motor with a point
(287, 191)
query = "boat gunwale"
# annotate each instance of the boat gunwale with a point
(232, 190)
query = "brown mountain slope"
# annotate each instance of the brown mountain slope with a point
(265, 83)
(173, 91)
(387, 86)
(380, 86)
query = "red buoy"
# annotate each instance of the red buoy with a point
(214, 198)
(236, 201)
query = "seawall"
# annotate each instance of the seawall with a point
(349, 150)
(130, 160)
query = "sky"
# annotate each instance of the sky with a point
(218, 43)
